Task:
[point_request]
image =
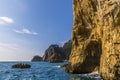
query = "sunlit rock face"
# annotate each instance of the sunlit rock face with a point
(96, 38)
(110, 24)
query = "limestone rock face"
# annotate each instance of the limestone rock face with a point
(96, 38)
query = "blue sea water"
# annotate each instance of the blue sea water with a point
(41, 71)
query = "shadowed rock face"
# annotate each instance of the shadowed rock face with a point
(37, 58)
(22, 66)
(58, 54)
(67, 49)
(96, 38)
(53, 54)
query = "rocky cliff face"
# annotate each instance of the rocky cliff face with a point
(53, 54)
(57, 54)
(67, 49)
(96, 38)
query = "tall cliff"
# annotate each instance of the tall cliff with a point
(96, 38)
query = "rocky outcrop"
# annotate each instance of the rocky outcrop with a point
(21, 65)
(56, 58)
(64, 66)
(36, 58)
(96, 38)
(53, 54)
(58, 54)
(67, 49)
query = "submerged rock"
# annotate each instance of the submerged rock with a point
(21, 66)
(96, 38)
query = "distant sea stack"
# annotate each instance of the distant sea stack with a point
(96, 38)
(36, 58)
(53, 54)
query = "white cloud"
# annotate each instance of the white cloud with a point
(4, 20)
(8, 46)
(26, 31)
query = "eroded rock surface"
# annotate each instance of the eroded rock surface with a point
(96, 38)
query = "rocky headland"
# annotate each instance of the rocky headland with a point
(55, 53)
(96, 38)
(36, 58)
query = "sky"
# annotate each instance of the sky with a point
(29, 27)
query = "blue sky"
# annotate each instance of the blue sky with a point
(28, 27)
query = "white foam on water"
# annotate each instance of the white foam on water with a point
(57, 66)
(92, 75)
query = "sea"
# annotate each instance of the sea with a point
(41, 71)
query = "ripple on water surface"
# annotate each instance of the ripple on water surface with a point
(41, 71)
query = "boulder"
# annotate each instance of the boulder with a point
(21, 65)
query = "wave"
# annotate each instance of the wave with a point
(93, 75)
(57, 66)
(42, 71)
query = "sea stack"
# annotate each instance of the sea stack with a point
(96, 38)
(36, 58)
(54, 53)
